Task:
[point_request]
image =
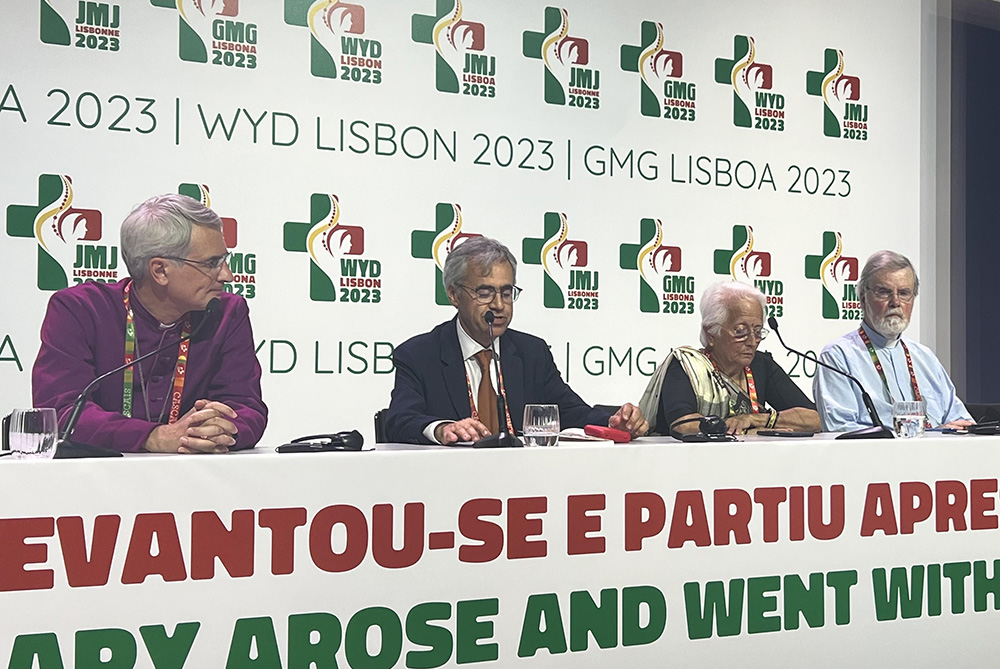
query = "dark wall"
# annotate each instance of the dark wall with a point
(976, 129)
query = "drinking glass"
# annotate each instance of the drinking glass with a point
(33, 434)
(541, 425)
(908, 419)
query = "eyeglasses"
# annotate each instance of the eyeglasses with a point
(742, 332)
(210, 265)
(885, 294)
(486, 294)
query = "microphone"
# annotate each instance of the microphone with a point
(502, 439)
(81, 399)
(878, 430)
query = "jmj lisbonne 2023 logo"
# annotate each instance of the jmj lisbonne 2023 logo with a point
(844, 113)
(755, 104)
(242, 263)
(87, 25)
(339, 268)
(744, 262)
(339, 45)
(839, 275)
(567, 79)
(460, 64)
(663, 287)
(449, 231)
(67, 236)
(213, 32)
(567, 283)
(663, 91)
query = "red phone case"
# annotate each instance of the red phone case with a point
(617, 436)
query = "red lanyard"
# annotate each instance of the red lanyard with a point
(472, 401)
(881, 371)
(180, 368)
(751, 386)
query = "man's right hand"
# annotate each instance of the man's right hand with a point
(467, 429)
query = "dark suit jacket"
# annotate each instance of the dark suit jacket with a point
(431, 383)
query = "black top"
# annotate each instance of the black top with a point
(774, 389)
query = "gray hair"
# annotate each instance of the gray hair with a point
(160, 227)
(717, 301)
(482, 253)
(881, 261)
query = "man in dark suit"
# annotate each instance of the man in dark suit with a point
(445, 390)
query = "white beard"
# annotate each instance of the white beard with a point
(891, 325)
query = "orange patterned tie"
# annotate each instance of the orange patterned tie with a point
(486, 402)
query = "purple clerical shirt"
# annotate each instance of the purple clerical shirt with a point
(83, 336)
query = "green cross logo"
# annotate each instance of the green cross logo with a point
(54, 28)
(438, 243)
(59, 228)
(455, 42)
(653, 259)
(557, 254)
(330, 246)
(741, 261)
(560, 54)
(654, 64)
(836, 271)
(195, 26)
(839, 91)
(336, 48)
(748, 78)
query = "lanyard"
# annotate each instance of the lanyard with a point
(751, 386)
(881, 371)
(180, 368)
(472, 401)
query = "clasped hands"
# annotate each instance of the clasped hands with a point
(206, 428)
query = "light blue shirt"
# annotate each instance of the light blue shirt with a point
(838, 400)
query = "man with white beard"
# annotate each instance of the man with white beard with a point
(891, 367)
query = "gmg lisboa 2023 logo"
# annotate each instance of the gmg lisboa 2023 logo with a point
(65, 236)
(844, 115)
(566, 283)
(212, 29)
(242, 264)
(566, 80)
(839, 274)
(459, 46)
(95, 25)
(754, 105)
(338, 48)
(339, 270)
(662, 286)
(662, 90)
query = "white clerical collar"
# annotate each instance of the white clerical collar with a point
(470, 347)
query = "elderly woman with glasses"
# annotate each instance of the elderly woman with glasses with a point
(728, 377)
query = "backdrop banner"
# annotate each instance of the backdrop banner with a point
(629, 154)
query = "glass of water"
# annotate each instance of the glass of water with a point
(908, 419)
(541, 425)
(33, 434)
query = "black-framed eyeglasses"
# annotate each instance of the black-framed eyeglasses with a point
(486, 294)
(742, 332)
(883, 294)
(210, 265)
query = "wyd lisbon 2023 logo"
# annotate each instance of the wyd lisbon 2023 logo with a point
(566, 281)
(460, 64)
(212, 31)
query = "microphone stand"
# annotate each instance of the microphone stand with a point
(503, 438)
(74, 416)
(878, 430)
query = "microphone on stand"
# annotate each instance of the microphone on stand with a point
(878, 430)
(502, 439)
(84, 450)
